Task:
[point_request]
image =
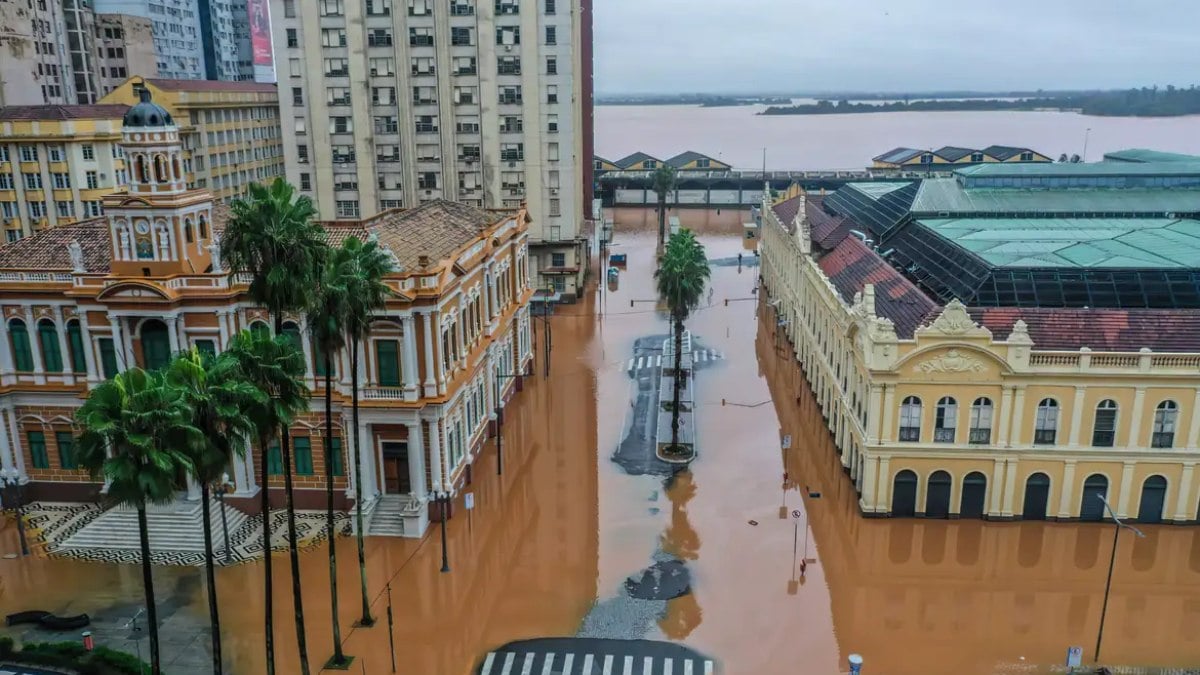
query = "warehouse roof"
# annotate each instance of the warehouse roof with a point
(938, 196)
(1144, 155)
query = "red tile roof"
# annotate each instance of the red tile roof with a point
(211, 85)
(1126, 330)
(826, 230)
(786, 210)
(850, 266)
(46, 251)
(15, 113)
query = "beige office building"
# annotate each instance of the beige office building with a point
(393, 103)
(36, 63)
(124, 48)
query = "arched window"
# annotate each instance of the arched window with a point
(18, 335)
(48, 339)
(177, 173)
(937, 498)
(1104, 429)
(1154, 495)
(945, 420)
(156, 345)
(904, 494)
(1091, 506)
(1046, 426)
(1165, 416)
(160, 169)
(75, 342)
(292, 332)
(260, 329)
(143, 172)
(188, 236)
(203, 227)
(910, 419)
(981, 420)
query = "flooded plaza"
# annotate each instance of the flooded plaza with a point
(548, 548)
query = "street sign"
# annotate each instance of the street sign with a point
(469, 500)
(1074, 657)
(787, 442)
(796, 513)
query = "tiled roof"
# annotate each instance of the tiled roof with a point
(786, 210)
(678, 161)
(850, 266)
(1003, 152)
(827, 230)
(897, 155)
(951, 153)
(626, 162)
(437, 229)
(211, 85)
(14, 113)
(1162, 330)
(47, 251)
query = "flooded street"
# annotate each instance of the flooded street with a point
(564, 527)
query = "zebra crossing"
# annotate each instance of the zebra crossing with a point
(638, 363)
(570, 663)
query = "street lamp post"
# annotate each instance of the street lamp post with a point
(221, 490)
(443, 499)
(499, 410)
(12, 478)
(1111, 562)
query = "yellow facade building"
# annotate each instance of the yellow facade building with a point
(230, 130)
(949, 157)
(1031, 396)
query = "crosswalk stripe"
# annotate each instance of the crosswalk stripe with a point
(508, 663)
(708, 668)
(628, 665)
(608, 660)
(487, 663)
(648, 666)
(639, 366)
(527, 669)
(630, 366)
(658, 361)
(549, 663)
(569, 662)
(687, 667)
(668, 665)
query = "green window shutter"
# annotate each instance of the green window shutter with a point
(335, 456)
(302, 449)
(108, 358)
(51, 354)
(274, 460)
(292, 333)
(22, 354)
(387, 363)
(206, 347)
(37, 450)
(75, 338)
(66, 449)
(260, 329)
(319, 365)
(156, 346)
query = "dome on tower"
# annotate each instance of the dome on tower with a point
(147, 113)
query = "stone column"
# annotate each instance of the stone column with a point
(435, 455)
(222, 316)
(7, 461)
(1010, 487)
(181, 326)
(1184, 503)
(1125, 491)
(173, 333)
(1002, 417)
(1076, 419)
(306, 347)
(7, 369)
(1066, 489)
(889, 405)
(1135, 424)
(430, 380)
(1018, 415)
(868, 481)
(441, 354)
(365, 377)
(114, 327)
(244, 473)
(996, 503)
(35, 346)
(193, 489)
(60, 329)
(873, 417)
(1193, 436)
(370, 481)
(883, 503)
(408, 324)
(89, 347)
(416, 460)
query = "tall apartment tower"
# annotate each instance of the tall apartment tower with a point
(225, 34)
(392, 103)
(178, 39)
(80, 24)
(35, 68)
(124, 48)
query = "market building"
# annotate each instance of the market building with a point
(83, 301)
(1007, 342)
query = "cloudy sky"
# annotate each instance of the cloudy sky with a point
(661, 46)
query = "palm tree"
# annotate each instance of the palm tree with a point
(218, 399)
(276, 367)
(367, 264)
(681, 276)
(662, 182)
(273, 238)
(145, 424)
(327, 321)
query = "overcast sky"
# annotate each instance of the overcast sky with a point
(669, 46)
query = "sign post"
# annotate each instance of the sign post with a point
(1074, 657)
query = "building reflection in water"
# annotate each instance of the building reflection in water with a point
(934, 596)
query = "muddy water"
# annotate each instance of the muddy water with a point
(564, 526)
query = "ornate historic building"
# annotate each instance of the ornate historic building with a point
(86, 300)
(995, 345)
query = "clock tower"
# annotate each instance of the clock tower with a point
(159, 228)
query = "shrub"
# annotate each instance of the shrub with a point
(6, 647)
(72, 655)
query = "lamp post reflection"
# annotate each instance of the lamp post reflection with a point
(1119, 525)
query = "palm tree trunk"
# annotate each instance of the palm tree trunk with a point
(662, 220)
(214, 617)
(289, 497)
(338, 657)
(268, 576)
(148, 588)
(366, 619)
(677, 382)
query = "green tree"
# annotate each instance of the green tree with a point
(366, 264)
(327, 321)
(145, 424)
(218, 399)
(276, 366)
(681, 277)
(273, 238)
(663, 182)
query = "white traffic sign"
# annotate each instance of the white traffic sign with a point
(469, 500)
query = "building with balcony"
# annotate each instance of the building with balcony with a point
(1008, 342)
(393, 103)
(37, 65)
(177, 36)
(56, 164)
(230, 130)
(124, 48)
(83, 301)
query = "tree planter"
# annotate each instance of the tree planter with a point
(684, 451)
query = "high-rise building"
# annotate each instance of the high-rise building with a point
(124, 48)
(36, 64)
(80, 23)
(177, 36)
(225, 34)
(392, 103)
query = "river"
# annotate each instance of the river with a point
(737, 135)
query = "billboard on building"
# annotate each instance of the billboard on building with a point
(260, 40)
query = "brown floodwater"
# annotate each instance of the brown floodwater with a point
(564, 526)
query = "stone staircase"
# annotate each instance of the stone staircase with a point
(178, 526)
(397, 516)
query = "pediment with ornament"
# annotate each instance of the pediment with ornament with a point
(955, 322)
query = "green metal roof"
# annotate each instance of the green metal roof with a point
(947, 196)
(876, 190)
(1076, 242)
(1144, 155)
(998, 169)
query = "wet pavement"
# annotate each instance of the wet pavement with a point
(550, 545)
